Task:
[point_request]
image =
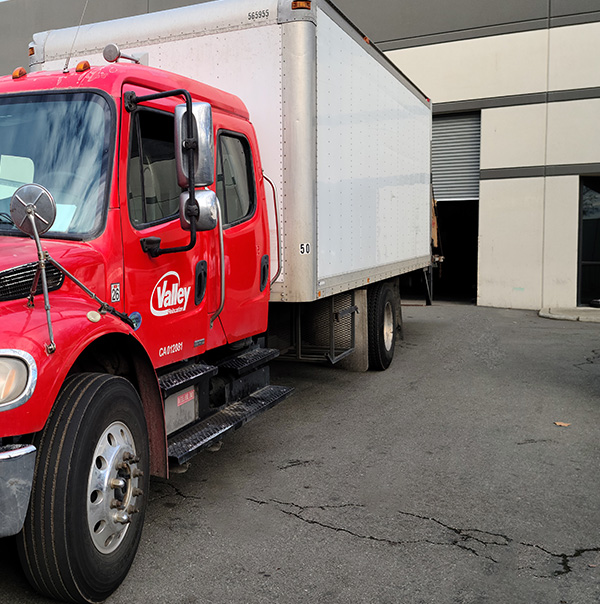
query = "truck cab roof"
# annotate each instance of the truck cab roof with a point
(112, 78)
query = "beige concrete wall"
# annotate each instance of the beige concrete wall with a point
(528, 242)
(510, 243)
(574, 131)
(513, 136)
(562, 58)
(480, 68)
(561, 237)
(574, 54)
(528, 227)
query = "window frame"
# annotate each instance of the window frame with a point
(581, 262)
(249, 175)
(133, 127)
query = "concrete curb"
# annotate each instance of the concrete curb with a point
(586, 315)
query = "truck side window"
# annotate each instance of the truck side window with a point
(153, 191)
(235, 180)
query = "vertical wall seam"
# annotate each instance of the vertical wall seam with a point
(545, 187)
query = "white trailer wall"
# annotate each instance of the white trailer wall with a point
(373, 169)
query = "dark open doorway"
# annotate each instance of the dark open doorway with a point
(456, 277)
(589, 242)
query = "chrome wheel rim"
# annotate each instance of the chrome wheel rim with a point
(112, 489)
(388, 326)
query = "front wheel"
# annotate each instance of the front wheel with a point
(381, 304)
(90, 489)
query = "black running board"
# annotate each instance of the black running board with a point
(250, 360)
(186, 444)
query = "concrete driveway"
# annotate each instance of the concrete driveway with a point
(442, 480)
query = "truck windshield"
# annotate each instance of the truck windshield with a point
(61, 141)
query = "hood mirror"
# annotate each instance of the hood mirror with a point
(33, 209)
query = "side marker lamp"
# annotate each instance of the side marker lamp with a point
(19, 72)
(301, 4)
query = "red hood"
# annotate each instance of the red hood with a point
(79, 258)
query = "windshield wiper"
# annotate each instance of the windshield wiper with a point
(6, 219)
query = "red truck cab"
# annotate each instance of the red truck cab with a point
(146, 346)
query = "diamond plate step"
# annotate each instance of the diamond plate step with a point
(185, 377)
(249, 361)
(185, 445)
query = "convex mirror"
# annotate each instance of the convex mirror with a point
(206, 201)
(36, 201)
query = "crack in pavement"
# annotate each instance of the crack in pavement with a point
(338, 529)
(294, 463)
(467, 539)
(565, 559)
(176, 492)
(592, 360)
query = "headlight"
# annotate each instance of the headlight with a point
(18, 375)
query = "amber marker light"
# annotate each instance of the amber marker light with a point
(31, 51)
(82, 66)
(305, 4)
(19, 72)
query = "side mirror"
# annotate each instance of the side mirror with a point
(33, 209)
(206, 202)
(204, 155)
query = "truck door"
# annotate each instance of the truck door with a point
(240, 192)
(170, 291)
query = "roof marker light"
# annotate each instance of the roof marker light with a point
(82, 66)
(19, 72)
(304, 4)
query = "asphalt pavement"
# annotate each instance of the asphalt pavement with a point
(468, 472)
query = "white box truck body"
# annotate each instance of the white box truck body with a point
(344, 135)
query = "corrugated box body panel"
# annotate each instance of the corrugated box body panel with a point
(342, 135)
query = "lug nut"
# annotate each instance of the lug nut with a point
(137, 492)
(136, 473)
(132, 510)
(115, 503)
(122, 517)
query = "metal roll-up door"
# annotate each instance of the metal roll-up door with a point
(455, 156)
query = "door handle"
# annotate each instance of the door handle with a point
(201, 280)
(264, 272)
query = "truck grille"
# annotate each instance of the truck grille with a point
(15, 283)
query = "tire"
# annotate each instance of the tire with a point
(381, 304)
(89, 496)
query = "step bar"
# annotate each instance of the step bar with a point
(186, 444)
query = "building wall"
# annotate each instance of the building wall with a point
(539, 96)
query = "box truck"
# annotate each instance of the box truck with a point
(231, 181)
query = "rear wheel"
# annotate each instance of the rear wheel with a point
(89, 496)
(382, 325)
